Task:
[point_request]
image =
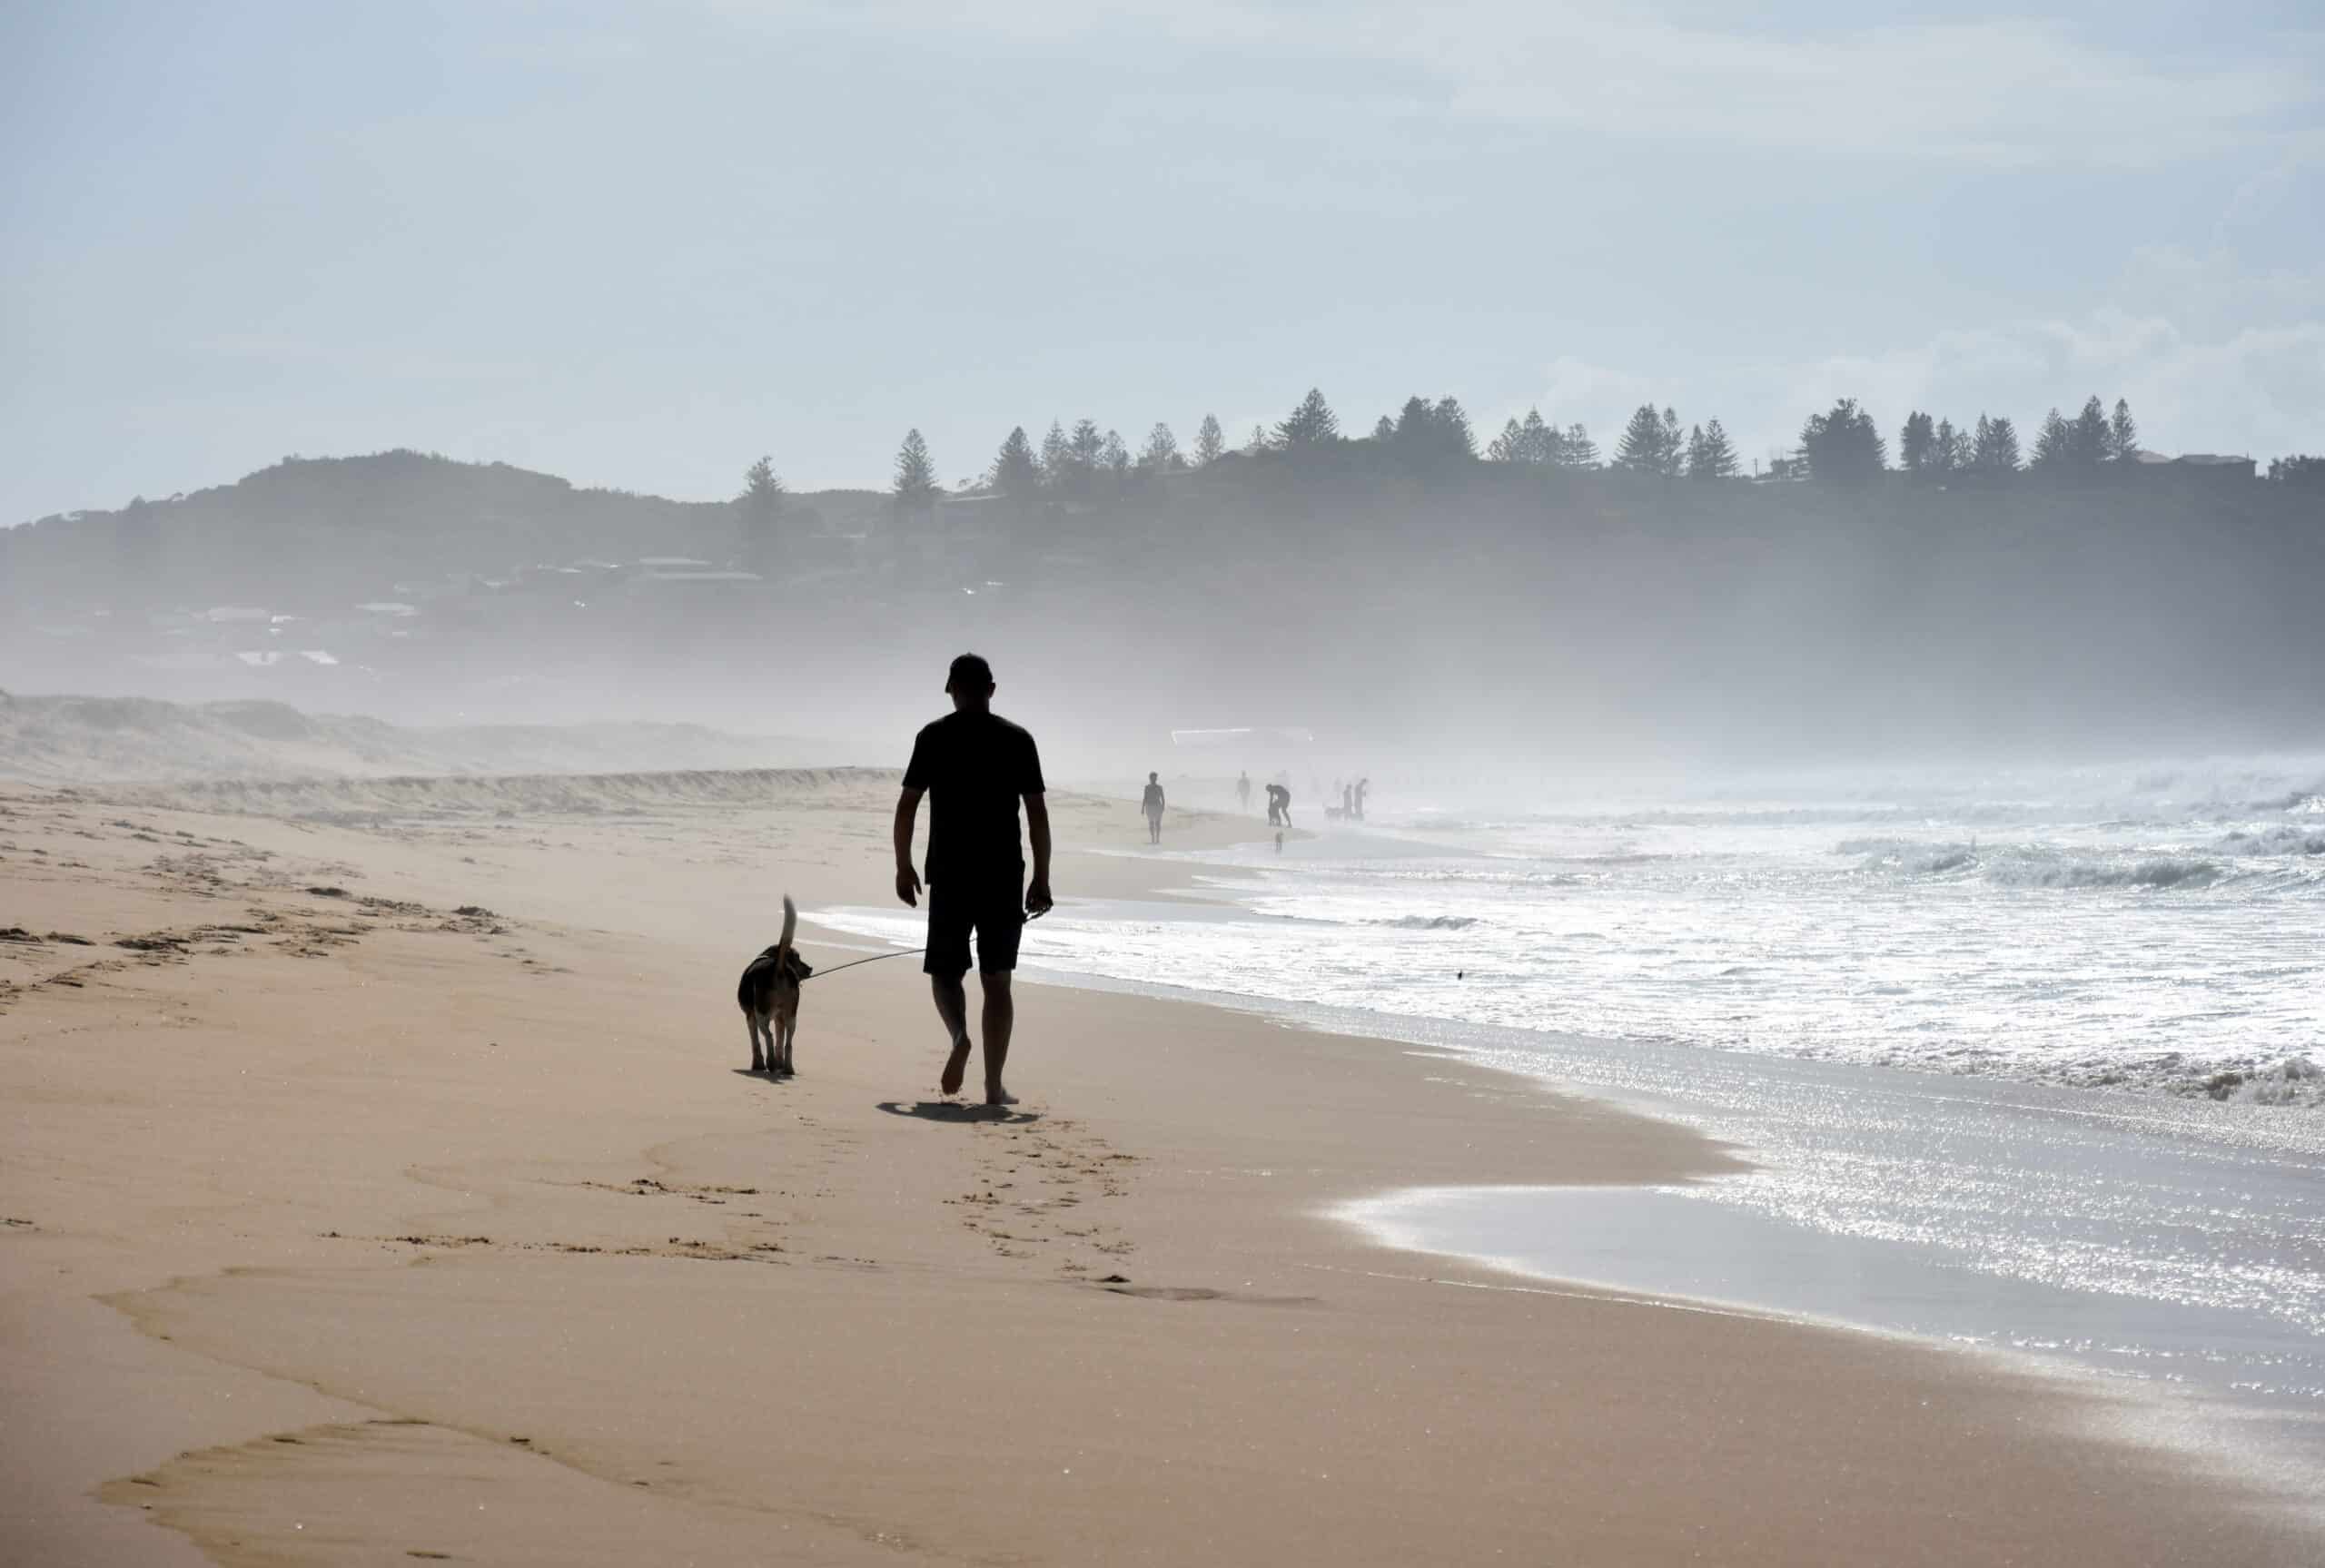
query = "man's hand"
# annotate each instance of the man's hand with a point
(907, 879)
(1037, 897)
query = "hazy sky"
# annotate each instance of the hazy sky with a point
(638, 246)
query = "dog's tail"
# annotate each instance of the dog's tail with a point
(790, 924)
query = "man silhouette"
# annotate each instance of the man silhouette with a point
(1244, 792)
(1152, 804)
(975, 766)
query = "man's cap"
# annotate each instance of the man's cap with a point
(969, 673)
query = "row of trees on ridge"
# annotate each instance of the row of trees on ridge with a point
(1840, 445)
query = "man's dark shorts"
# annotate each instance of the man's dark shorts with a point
(992, 904)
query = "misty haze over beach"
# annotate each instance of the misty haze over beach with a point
(1508, 620)
(1669, 666)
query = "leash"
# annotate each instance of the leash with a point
(900, 952)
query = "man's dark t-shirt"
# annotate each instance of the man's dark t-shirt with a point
(974, 766)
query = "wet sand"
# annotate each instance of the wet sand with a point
(397, 1194)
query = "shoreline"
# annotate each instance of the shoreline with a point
(292, 1259)
(1879, 1224)
(2202, 1416)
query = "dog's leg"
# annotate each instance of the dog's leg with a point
(751, 1023)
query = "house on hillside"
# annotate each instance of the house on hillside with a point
(957, 537)
(2199, 468)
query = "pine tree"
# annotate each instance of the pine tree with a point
(1580, 450)
(2054, 443)
(1844, 446)
(1949, 452)
(1259, 442)
(1087, 446)
(1382, 430)
(1114, 453)
(1994, 451)
(1209, 441)
(1075, 466)
(1429, 436)
(1675, 445)
(1015, 472)
(762, 487)
(1161, 452)
(1454, 438)
(1539, 442)
(2122, 435)
(2087, 443)
(761, 506)
(1916, 442)
(916, 483)
(1056, 457)
(1310, 424)
(1709, 454)
(1529, 441)
(1641, 448)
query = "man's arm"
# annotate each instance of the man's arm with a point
(1037, 832)
(907, 879)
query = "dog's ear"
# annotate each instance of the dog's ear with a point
(802, 965)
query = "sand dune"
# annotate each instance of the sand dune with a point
(70, 740)
(520, 794)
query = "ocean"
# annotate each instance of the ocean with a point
(2031, 1061)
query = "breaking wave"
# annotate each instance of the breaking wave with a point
(2277, 840)
(2232, 857)
(2162, 872)
(2295, 1080)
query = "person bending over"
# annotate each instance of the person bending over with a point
(974, 766)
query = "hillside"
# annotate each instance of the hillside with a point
(309, 529)
(1434, 614)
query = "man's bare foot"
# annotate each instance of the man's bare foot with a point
(996, 1095)
(956, 1067)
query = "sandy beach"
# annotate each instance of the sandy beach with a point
(382, 1183)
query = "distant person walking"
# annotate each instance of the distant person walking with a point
(975, 766)
(1347, 800)
(1243, 794)
(1362, 786)
(1152, 804)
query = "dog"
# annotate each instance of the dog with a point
(769, 995)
